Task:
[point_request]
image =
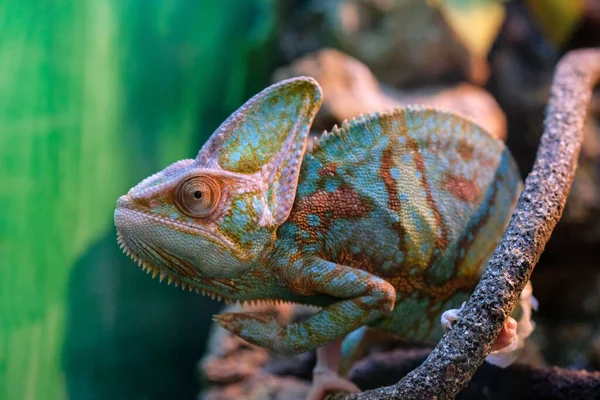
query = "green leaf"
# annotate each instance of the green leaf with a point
(475, 22)
(557, 18)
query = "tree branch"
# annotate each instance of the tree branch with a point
(453, 362)
(524, 381)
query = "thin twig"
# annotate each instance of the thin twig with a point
(453, 362)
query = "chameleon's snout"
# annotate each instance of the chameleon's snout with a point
(132, 202)
(123, 201)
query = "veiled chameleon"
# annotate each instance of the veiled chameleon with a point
(385, 223)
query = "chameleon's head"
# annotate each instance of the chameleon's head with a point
(206, 221)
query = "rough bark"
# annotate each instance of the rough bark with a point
(526, 382)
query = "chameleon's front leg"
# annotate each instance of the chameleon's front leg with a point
(363, 298)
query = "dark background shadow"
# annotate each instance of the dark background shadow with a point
(129, 337)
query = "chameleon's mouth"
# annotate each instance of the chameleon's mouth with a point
(166, 274)
(150, 268)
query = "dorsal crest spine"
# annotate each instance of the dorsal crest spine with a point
(338, 135)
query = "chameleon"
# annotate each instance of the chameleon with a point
(386, 222)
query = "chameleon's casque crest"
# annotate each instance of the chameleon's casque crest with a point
(267, 137)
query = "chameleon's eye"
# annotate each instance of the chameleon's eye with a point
(198, 196)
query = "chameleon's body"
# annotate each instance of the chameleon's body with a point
(386, 222)
(417, 197)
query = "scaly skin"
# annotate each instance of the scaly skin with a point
(386, 223)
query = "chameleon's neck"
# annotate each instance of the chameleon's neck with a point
(277, 266)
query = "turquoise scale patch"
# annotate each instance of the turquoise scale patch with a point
(241, 204)
(387, 266)
(399, 257)
(331, 184)
(408, 313)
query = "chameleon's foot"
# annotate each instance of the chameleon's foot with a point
(325, 374)
(507, 340)
(449, 317)
(512, 336)
(504, 351)
(327, 382)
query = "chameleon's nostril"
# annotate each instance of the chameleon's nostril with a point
(123, 201)
(137, 201)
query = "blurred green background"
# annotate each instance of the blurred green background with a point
(94, 96)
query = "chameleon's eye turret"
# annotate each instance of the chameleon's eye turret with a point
(198, 196)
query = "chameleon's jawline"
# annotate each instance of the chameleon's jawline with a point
(171, 277)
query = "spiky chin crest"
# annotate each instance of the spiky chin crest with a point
(159, 272)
